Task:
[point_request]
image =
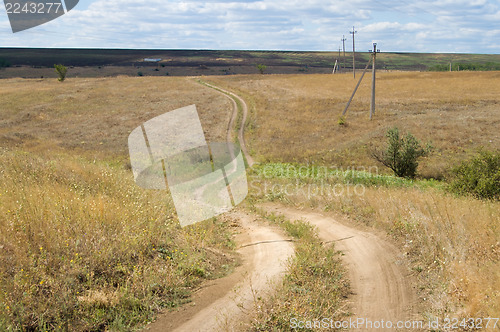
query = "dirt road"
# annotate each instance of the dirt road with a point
(244, 109)
(224, 304)
(381, 286)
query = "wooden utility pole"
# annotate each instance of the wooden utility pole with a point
(353, 32)
(343, 47)
(374, 69)
(340, 64)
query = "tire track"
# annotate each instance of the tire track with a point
(381, 285)
(225, 304)
(235, 99)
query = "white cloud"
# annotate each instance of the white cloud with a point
(267, 24)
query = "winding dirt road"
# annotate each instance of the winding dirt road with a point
(381, 285)
(225, 304)
(244, 116)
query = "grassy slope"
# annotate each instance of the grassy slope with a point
(67, 126)
(81, 246)
(452, 243)
(456, 112)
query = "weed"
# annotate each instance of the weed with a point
(342, 121)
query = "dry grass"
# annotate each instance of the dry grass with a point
(81, 246)
(97, 115)
(452, 243)
(295, 118)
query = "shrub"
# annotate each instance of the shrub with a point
(61, 71)
(261, 68)
(341, 121)
(401, 154)
(139, 73)
(479, 177)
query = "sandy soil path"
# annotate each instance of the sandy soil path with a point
(224, 304)
(241, 132)
(382, 287)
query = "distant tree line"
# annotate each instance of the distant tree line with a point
(472, 66)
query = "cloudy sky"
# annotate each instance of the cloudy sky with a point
(464, 26)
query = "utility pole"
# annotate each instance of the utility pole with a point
(353, 32)
(374, 69)
(340, 65)
(343, 47)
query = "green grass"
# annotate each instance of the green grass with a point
(450, 241)
(323, 174)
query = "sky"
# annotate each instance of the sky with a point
(449, 26)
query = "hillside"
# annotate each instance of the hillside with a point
(34, 63)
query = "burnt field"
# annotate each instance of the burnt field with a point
(36, 63)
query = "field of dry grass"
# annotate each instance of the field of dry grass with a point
(97, 115)
(81, 246)
(75, 230)
(452, 243)
(295, 118)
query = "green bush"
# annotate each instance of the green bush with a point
(261, 68)
(61, 71)
(401, 154)
(479, 177)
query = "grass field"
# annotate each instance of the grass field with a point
(81, 246)
(456, 112)
(452, 243)
(64, 163)
(34, 63)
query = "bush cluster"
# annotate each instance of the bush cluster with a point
(479, 176)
